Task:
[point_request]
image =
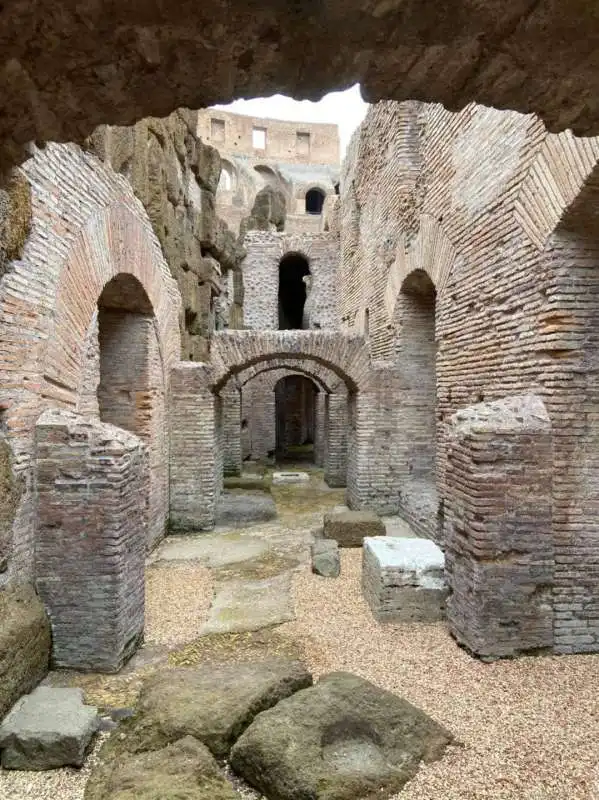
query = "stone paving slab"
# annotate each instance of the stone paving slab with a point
(282, 478)
(213, 549)
(240, 606)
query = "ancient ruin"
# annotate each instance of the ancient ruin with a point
(226, 353)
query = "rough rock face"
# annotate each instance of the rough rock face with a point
(268, 212)
(340, 739)
(175, 176)
(325, 558)
(126, 61)
(214, 704)
(9, 497)
(184, 770)
(24, 644)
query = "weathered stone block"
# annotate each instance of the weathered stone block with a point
(349, 528)
(92, 487)
(24, 644)
(499, 546)
(403, 579)
(281, 478)
(48, 728)
(325, 558)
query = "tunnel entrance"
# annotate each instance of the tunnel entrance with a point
(295, 412)
(293, 270)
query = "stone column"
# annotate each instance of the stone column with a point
(499, 544)
(92, 483)
(336, 435)
(194, 458)
(231, 431)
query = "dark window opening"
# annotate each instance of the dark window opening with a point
(314, 201)
(292, 291)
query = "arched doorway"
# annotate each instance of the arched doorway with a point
(293, 271)
(314, 201)
(417, 361)
(131, 392)
(295, 414)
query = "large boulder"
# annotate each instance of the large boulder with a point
(46, 729)
(213, 703)
(340, 739)
(184, 770)
(24, 644)
(350, 528)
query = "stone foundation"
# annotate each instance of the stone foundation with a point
(92, 490)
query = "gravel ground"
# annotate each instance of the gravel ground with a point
(529, 728)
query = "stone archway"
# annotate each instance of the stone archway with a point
(195, 411)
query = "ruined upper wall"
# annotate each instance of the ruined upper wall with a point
(67, 69)
(175, 175)
(302, 142)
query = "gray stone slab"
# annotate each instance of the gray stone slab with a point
(280, 478)
(46, 729)
(213, 549)
(237, 509)
(250, 605)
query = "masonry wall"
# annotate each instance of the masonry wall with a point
(86, 228)
(481, 201)
(261, 277)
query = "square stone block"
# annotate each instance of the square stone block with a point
(349, 528)
(403, 579)
(46, 729)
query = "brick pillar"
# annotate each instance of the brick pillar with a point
(231, 431)
(499, 547)
(374, 442)
(194, 458)
(335, 448)
(319, 428)
(92, 482)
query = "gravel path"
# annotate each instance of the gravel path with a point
(529, 727)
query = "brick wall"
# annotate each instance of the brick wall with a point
(87, 227)
(484, 202)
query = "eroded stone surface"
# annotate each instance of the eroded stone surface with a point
(340, 739)
(184, 770)
(250, 605)
(325, 558)
(46, 729)
(236, 509)
(214, 704)
(24, 644)
(282, 478)
(349, 528)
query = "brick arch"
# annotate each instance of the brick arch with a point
(87, 227)
(325, 378)
(232, 352)
(430, 250)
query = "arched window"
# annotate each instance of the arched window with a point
(227, 178)
(293, 269)
(314, 201)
